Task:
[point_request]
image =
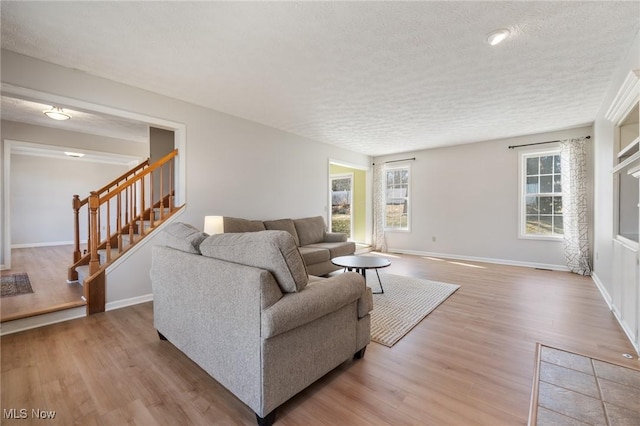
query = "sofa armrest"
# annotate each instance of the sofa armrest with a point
(316, 300)
(365, 303)
(335, 237)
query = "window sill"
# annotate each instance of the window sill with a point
(557, 238)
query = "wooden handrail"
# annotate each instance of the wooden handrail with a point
(122, 208)
(124, 176)
(139, 176)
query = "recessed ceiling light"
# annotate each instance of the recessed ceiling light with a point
(498, 36)
(74, 154)
(56, 113)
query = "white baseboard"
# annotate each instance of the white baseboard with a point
(607, 298)
(627, 332)
(128, 302)
(483, 259)
(47, 244)
(603, 291)
(23, 324)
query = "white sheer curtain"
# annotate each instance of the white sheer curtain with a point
(379, 201)
(573, 160)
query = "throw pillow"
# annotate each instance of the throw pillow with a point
(283, 225)
(275, 251)
(310, 230)
(234, 224)
(184, 237)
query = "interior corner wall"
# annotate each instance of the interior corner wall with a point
(604, 155)
(234, 167)
(161, 143)
(466, 198)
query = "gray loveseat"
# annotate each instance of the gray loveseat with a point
(243, 307)
(317, 246)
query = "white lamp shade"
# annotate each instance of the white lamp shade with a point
(213, 225)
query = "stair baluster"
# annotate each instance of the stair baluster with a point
(94, 205)
(131, 212)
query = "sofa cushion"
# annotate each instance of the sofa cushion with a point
(310, 230)
(234, 224)
(182, 236)
(315, 255)
(335, 237)
(336, 249)
(275, 251)
(283, 225)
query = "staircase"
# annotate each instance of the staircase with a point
(118, 216)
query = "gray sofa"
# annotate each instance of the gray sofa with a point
(243, 307)
(317, 246)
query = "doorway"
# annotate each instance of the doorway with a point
(348, 186)
(341, 202)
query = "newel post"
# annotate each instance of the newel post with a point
(72, 274)
(94, 205)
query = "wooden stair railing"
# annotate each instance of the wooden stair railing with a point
(78, 204)
(125, 209)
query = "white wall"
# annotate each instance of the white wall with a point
(604, 160)
(466, 196)
(233, 166)
(42, 190)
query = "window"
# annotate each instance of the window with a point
(397, 198)
(541, 195)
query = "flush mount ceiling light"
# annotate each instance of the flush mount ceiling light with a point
(74, 154)
(56, 113)
(498, 36)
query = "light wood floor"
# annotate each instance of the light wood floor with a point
(47, 269)
(470, 362)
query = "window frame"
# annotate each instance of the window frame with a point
(395, 167)
(522, 194)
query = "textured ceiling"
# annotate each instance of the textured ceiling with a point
(373, 77)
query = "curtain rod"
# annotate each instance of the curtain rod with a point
(395, 161)
(539, 143)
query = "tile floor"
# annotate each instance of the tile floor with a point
(577, 390)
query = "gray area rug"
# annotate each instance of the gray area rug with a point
(404, 303)
(15, 284)
(574, 389)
